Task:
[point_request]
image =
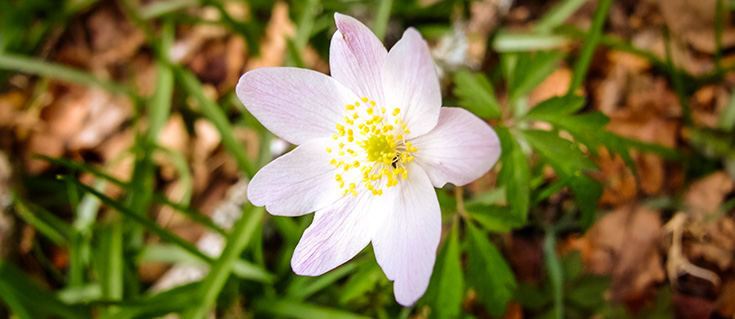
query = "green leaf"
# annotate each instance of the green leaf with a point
(364, 280)
(564, 156)
(572, 263)
(569, 163)
(476, 94)
(531, 297)
(586, 193)
(556, 108)
(495, 218)
(446, 289)
(588, 292)
(514, 174)
(488, 273)
(531, 70)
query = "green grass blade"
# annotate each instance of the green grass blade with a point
(43, 221)
(589, 45)
(160, 304)
(677, 80)
(556, 276)
(214, 114)
(21, 294)
(167, 253)
(522, 42)
(157, 197)
(239, 238)
(160, 8)
(185, 179)
(160, 105)
(306, 23)
(303, 287)
(557, 15)
(80, 294)
(57, 71)
(109, 264)
(381, 18)
(10, 298)
(142, 220)
(727, 119)
(292, 309)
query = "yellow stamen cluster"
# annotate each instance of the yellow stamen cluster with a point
(372, 141)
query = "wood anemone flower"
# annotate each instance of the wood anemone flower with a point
(373, 142)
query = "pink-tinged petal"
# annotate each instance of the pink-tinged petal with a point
(298, 182)
(356, 58)
(405, 245)
(460, 149)
(338, 233)
(296, 104)
(411, 84)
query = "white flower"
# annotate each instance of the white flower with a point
(373, 142)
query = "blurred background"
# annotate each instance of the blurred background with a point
(125, 157)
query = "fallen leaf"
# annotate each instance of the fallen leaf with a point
(273, 46)
(624, 243)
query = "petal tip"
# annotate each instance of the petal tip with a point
(407, 297)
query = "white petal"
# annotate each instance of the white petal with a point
(460, 149)
(338, 233)
(295, 104)
(405, 245)
(356, 58)
(411, 84)
(298, 182)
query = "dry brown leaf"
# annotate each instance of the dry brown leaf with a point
(8, 241)
(10, 107)
(725, 303)
(105, 115)
(650, 113)
(44, 144)
(693, 22)
(113, 37)
(273, 47)
(625, 244)
(115, 154)
(175, 137)
(707, 194)
(189, 45)
(235, 60)
(712, 234)
(556, 84)
(618, 180)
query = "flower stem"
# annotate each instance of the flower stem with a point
(459, 197)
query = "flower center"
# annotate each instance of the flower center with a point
(370, 140)
(380, 148)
